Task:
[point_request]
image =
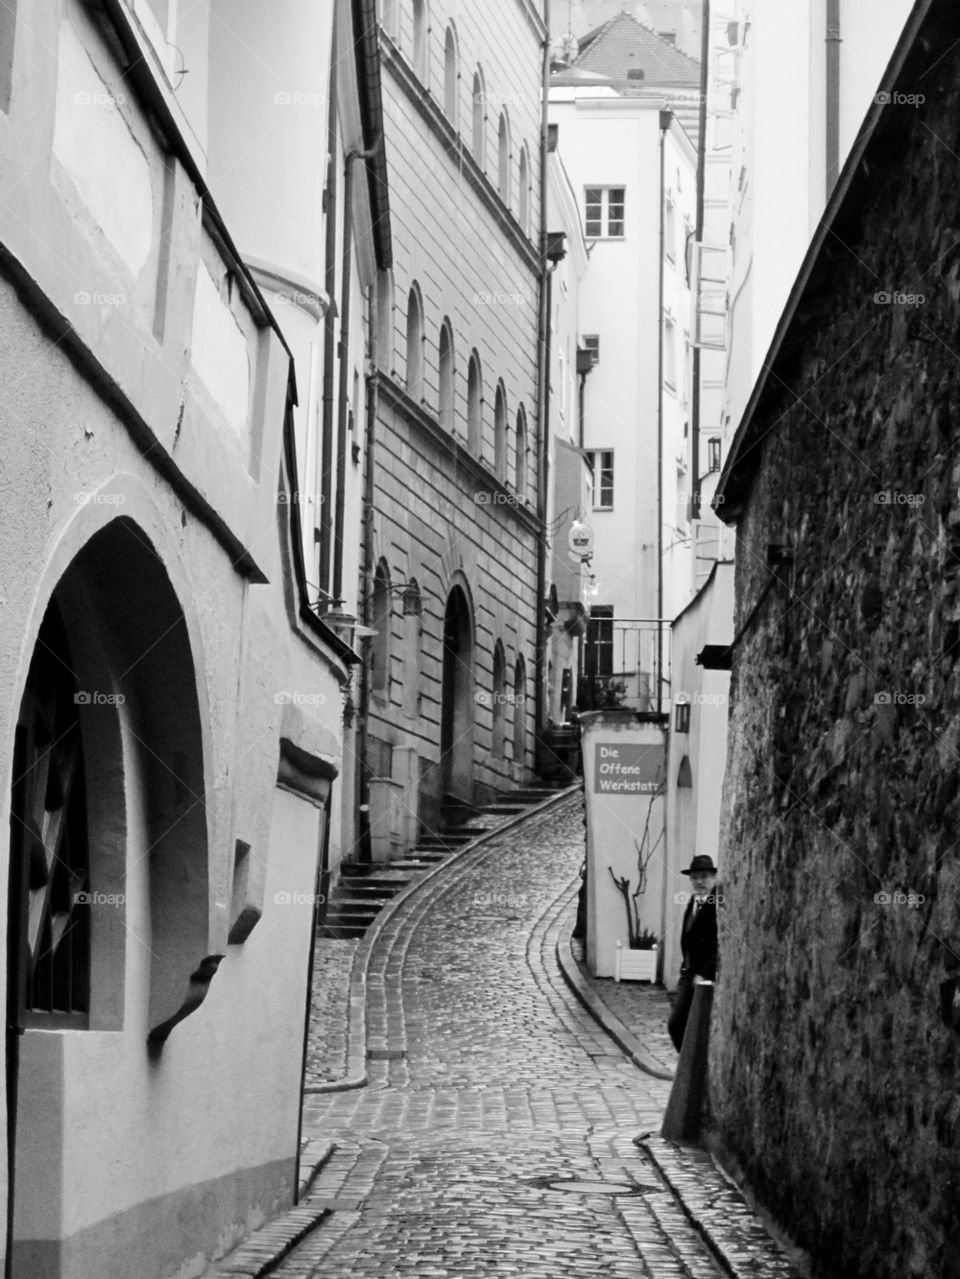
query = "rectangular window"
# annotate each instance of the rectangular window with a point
(599, 655)
(601, 487)
(604, 213)
(670, 354)
(713, 453)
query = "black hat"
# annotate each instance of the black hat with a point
(700, 862)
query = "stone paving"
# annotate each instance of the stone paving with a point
(496, 1132)
(488, 1078)
(329, 1005)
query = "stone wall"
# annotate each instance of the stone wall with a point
(833, 1075)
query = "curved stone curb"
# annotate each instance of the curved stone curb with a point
(733, 1232)
(357, 1075)
(594, 1005)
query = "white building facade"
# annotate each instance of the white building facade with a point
(634, 170)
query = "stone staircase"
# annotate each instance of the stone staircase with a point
(364, 888)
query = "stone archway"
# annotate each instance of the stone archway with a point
(457, 704)
(109, 899)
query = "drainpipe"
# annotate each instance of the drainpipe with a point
(543, 397)
(329, 330)
(346, 281)
(698, 239)
(365, 611)
(833, 39)
(665, 118)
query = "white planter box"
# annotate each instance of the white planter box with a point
(635, 965)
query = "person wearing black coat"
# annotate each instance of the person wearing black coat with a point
(698, 942)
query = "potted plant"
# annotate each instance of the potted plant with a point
(637, 961)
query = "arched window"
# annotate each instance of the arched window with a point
(385, 321)
(519, 713)
(500, 433)
(479, 123)
(380, 643)
(414, 344)
(520, 458)
(445, 407)
(503, 158)
(475, 405)
(451, 76)
(420, 61)
(499, 698)
(410, 655)
(523, 194)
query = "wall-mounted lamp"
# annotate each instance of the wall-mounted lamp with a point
(681, 716)
(716, 657)
(410, 598)
(347, 627)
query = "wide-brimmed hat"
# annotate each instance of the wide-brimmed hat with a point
(700, 863)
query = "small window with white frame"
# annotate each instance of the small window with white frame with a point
(713, 453)
(604, 209)
(601, 483)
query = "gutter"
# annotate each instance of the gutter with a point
(329, 330)
(543, 414)
(665, 118)
(833, 41)
(698, 239)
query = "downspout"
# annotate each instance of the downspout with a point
(543, 388)
(698, 239)
(346, 282)
(329, 331)
(665, 118)
(833, 39)
(362, 779)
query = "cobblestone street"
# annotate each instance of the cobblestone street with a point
(489, 1080)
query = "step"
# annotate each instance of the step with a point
(341, 932)
(364, 888)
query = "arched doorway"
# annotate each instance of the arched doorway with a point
(109, 899)
(520, 715)
(456, 715)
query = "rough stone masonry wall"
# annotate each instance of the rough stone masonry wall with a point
(834, 1080)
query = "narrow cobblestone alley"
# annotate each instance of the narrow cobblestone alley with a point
(492, 1081)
